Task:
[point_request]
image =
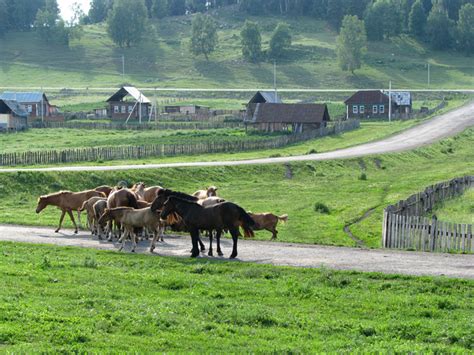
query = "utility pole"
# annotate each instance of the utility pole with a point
(390, 102)
(123, 66)
(275, 80)
(42, 106)
(429, 75)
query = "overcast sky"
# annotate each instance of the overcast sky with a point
(65, 6)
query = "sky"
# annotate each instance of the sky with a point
(65, 7)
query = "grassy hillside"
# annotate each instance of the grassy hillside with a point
(458, 210)
(294, 189)
(164, 60)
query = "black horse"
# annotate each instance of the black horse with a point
(225, 215)
(157, 205)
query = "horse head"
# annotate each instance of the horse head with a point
(106, 216)
(42, 203)
(211, 191)
(168, 207)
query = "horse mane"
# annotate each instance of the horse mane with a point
(180, 199)
(62, 192)
(180, 195)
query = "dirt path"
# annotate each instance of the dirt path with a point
(386, 261)
(440, 127)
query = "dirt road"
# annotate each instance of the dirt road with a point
(440, 127)
(386, 261)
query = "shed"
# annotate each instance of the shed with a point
(13, 115)
(127, 102)
(272, 117)
(187, 109)
(36, 103)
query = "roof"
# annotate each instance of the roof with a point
(401, 98)
(23, 97)
(290, 113)
(15, 107)
(367, 97)
(133, 92)
(270, 97)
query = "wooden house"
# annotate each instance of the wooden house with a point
(187, 109)
(129, 102)
(36, 103)
(375, 104)
(262, 97)
(13, 116)
(270, 117)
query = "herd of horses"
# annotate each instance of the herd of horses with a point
(141, 211)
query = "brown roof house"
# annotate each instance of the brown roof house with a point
(129, 102)
(375, 104)
(277, 116)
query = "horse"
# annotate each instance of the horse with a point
(202, 194)
(211, 201)
(226, 215)
(120, 198)
(159, 201)
(99, 209)
(105, 189)
(131, 219)
(67, 202)
(88, 206)
(267, 221)
(147, 194)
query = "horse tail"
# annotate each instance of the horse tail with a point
(84, 206)
(247, 223)
(132, 201)
(283, 218)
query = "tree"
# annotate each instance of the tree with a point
(280, 40)
(127, 21)
(335, 13)
(159, 8)
(176, 7)
(204, 35)
(438, 28)
(98, 10)
(251, 41)
(351, 43)
(22, 13)
(465, 28)
(46, 21)
(382, 20)
(3, 18)
(417, 19)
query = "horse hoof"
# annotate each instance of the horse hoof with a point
(220, 253)
(233, 256)
(210, 253)
(56, 231)
(75, 232)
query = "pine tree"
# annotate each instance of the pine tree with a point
(417, 19)
(438, 28)
(465, 28)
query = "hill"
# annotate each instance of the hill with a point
(163, 60)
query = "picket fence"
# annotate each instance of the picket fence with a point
(404, 226)
(162, 150)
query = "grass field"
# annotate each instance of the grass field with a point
(458, 210)
(163, 60)
(76, 300)
(294, 189)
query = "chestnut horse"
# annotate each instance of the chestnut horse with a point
(67, 202)
(226, 215)
(120, 198)
(267, 221)
(202, 194)
(147, 194)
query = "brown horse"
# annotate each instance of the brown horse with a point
(105, 189)
(267, 221)
(120, 198)
(88, 206)
(99, 209)
(203, 194)
(147, 194)
(67, 202)
(226, 215)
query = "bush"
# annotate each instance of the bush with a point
(363, 176)
(321, 208)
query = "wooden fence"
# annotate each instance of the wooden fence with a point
(404, 226)
(161, 150)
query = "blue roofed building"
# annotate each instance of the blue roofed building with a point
(13, 116)
(36, 103)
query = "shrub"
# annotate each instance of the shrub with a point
(321, 208)
(363, 176)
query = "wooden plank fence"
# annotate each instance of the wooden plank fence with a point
(404, 226)
(161, 150)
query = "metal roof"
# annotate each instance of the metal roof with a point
(269, 97)
(23, 97)
(401, 98)
(15, 107)
(133, 92)
(290, 113)
(367, 97)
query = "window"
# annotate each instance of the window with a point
(30, 108)
(362, 109)
(130, 108)
(382, 109)
(355, 109)
(116, 109)
(374, 109)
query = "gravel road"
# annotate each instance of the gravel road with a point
(440, 127)
(340, 258)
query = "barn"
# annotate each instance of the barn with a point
(13, 116)
(127, 102)
(271, 117)
(36, 103)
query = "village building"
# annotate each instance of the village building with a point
(266, 112)
(129, 102)
(375, 104)
(13, 116)
(187, 109)
(36, 103)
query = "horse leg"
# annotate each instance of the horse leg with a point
(79, 218)
(201, 244)
(153, 241)
(194, 239)
(122, 240)
(274, 233)
(218, 239)
(134, 241)
(109, 231)
(63, 212)
(69, 212)
(235, 236)
(210, 243)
